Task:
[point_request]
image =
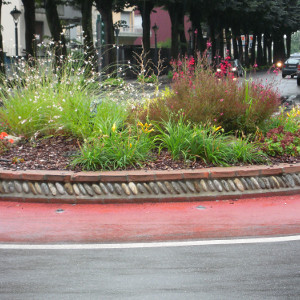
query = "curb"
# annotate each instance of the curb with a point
(220, 183)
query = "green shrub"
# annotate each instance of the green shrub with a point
(40, 97)
(280, 142)
(236, 106)
(113, 82)
(206, 143)
(128, 146)
(290, 121)
(147, 79)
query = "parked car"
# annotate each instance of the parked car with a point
(298, 75)
(235, 68)
(295, 55)
(290, 67)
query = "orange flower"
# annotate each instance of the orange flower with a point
(11, 141)
(3, 135)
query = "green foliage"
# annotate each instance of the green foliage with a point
(295, 42)
(222, 101)
(174, 136)
(164, 44)
(194, 119)
(206, 143)
(113, 82)
(280, 142)
(123, 147)
(289, 121)
(44, 101)
(147, 79)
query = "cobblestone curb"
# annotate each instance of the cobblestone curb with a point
(149, 186)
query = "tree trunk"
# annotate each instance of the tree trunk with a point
(268, 42)
(55, 27)
(145, 9)
(218, 53)
(259, 59)
(2, 62)
(235, 43)
(196, 24)
(29, 13)
(247, 50)
(182, 38)
(105, 9)
(241, 54)
(86, 12)
(174, 16)
(288, 44)
(213, 41)
(253, 53)
(264, 50)
(228, 41)
(278, 52)
(221, 42)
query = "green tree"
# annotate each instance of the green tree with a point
(295, 42)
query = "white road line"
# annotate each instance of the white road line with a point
(149, 245)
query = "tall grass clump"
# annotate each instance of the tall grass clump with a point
(122, 148)
(204, 97)
(49, 94)
(206, 143)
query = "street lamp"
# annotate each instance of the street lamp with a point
(16, 14)
(117, 31)
(155, 29)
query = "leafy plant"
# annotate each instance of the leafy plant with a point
(147, 79)
(207, 143)
(125, 147)
(38, 96)
(4, 142)
(113, 82)
(221, 101)
(280, 142)
(174, 136)
(290, 121)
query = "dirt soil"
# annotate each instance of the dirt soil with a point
(56, 153)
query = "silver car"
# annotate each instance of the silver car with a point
(290, 67)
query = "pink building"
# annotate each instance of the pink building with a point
(162, 20)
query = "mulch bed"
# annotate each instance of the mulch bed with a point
(56, 153)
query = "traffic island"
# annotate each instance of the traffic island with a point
(149, 186)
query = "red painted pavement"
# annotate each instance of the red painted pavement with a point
(41, 223)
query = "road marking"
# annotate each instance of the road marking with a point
(150, 245)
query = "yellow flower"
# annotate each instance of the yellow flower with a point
(114, 127)
(216, 129)
(130, 145)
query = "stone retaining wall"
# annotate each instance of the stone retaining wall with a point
(148, 186)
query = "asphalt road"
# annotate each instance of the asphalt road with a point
(254, 271)
(285, 86)
(59, 251)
